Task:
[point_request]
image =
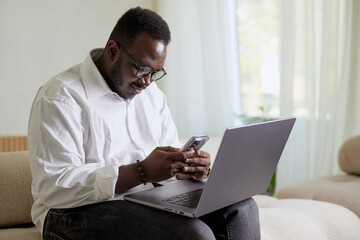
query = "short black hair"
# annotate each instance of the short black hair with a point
(136, 21)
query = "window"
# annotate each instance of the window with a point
(257, 29)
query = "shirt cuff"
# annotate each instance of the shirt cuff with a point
(105, 182)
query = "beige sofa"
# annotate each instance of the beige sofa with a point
(342, 189)
(280, 219)
(15, 197)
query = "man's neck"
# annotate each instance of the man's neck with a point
(101, 66)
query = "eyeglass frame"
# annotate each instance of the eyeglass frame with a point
(138, 67)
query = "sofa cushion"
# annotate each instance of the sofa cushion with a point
(28, 232)
(339, 189)
(300, 219)
(15, 189)
(349, 156)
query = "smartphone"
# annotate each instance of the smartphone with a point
(195, 143)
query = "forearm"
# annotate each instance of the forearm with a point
(128, 178)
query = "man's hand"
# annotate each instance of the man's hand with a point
(164, 162)
(197, 168)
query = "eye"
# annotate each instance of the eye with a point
(144, 70)
(136, 66)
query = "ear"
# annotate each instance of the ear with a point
(112, 51)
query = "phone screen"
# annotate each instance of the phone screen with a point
(195, 143)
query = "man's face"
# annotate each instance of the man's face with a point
(146, 52)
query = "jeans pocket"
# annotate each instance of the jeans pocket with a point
(60, 224)
(53, 236)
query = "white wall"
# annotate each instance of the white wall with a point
(40, 38)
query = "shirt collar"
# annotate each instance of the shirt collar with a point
(94, 83)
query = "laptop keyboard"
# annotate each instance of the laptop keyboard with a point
(189, 199)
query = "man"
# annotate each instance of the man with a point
(98, 130)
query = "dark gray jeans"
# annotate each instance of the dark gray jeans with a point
(125, 220)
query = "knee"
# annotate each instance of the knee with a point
(248, 206)
(246, 211)
(252, 204)
(246, 214)
(196, 229)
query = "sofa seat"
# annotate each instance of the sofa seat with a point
(339, 189)
(22, 232)
(291, 219)
(279, 219)
(298, 219)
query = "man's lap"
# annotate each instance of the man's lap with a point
(125, 220)
(122, 220)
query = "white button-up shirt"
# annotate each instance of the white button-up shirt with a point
(80, 132)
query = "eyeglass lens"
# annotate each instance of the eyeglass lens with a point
(155, 75)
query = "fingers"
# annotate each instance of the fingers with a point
(203, 154)
(165, 162)
(181, 156)
(200, 158)
(198, 161)
(195, 169)
(177, 167)
(191, 158)
(198, 168)
(198, 177)
(195, 176)
(168, 149)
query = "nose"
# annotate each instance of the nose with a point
(147, 79)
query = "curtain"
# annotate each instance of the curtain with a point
(202, 65)
(319, 79)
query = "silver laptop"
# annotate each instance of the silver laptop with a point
(243, 167)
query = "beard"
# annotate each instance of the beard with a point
(116, 79)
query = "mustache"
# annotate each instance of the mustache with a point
(139, 84)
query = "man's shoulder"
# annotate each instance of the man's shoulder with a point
(64, 84)
(70, 75)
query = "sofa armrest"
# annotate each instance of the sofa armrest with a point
(349, 156)
(15, 189)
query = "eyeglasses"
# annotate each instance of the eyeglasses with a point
(155, 74)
